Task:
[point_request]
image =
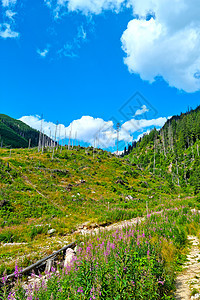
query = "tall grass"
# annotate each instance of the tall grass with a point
(135, 262)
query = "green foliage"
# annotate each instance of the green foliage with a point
(134, 262)
(172, 152)
(16, 134)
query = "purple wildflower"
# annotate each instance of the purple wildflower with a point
(80, 290)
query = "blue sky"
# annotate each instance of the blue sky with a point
(65, 60)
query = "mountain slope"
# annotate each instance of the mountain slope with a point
(78, 188)
(173, 151)
(10, 138)
(16, 134)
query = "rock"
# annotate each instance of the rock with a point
(69, 256)
(50, 231)
(49, 265)
(129, 197)
(69, 187)
(196, 296)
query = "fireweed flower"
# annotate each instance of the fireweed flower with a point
(17, 271)
(4, 279)
(11, 296)
(80, 290)
(53, 270)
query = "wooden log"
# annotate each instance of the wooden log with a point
(41, 261)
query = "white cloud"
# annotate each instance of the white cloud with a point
(141, 135)
(10, 14)
(86, 7)
(43, 53)
(93, 6)
(141, 111)
(167, 45)
(88, 129)
(70, 48)
(48, 3)
(137, 125)
(6, 31)
(6, 3)
(81, 33)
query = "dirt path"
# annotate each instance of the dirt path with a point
(189, 279)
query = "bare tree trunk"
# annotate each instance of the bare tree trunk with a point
(75, 139)
(65, 137)
(40, 136)
(69, 137)
(163, 141)
(58, 138)
(55, 134)
(177, 172)
(43, 142)
(29, 144)
(53, 153)
(170, 134)
(118, 138)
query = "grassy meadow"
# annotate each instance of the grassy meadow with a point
(70, 189)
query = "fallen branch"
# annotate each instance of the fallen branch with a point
(41, 261)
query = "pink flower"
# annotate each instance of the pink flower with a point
(80, 290)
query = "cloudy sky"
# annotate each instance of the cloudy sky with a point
(90, 64)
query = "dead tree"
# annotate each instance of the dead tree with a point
(163, 141)
(40, 135)
(171, 138)
(42, 141)
(70, 133)
(177, 172)
(55, 134)
(58, 138)
(29, 144)
(118, 138)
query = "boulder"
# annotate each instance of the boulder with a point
(69, 256)
(51, 231)
(49, 265)
(129, 197)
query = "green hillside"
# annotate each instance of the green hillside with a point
(79, 185)
(52, 197)
(16, 134)
(173, 152)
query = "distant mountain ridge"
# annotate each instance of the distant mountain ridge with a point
(16, 134)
